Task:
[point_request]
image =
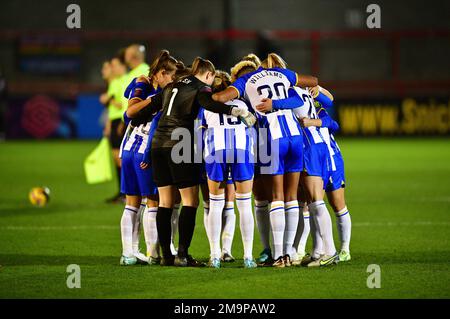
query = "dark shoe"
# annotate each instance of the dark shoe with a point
(267, 263)
(287, 260)
(306, 260)
(279, 263)
(169, 261)
(227, 258)
(188, 261)
(264, 256)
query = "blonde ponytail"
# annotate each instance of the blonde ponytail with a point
(274, 61)
(241, 68)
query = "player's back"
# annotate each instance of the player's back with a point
(312, 133)
(179, 109)
(273, 84)
(266, 83)
(225, 131)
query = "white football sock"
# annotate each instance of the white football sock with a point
(344, 226)
(291, 215)
(205, 216)
(317, 242)
(324, 226)
(298, 233)
(246, 222)
(263, 222)
(216, 205)
(228, 227)
(277, 223)
(151, 232)
(304, 228)
(174, 220)
(126, 229)
(137, 226)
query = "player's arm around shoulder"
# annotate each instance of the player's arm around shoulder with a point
(306, 80)
(226, 95)
(138, 99)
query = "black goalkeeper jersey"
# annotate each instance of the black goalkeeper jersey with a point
(180, 104)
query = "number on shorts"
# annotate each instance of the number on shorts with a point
(231, 120)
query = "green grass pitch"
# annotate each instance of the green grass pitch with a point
(398, 195)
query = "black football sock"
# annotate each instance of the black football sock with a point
(164, 227)
(186, 226)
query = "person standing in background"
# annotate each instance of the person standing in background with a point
(104, 99)
(135, 60)
(115, 126)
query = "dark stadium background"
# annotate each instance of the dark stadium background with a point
(384, 79)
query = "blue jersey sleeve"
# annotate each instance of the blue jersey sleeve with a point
(141, 91)
(126, 119)
(239, 85)
(151, 132)
(324, 100)
(129, 88)
(293, 101)
(201, 120)
(327, 120)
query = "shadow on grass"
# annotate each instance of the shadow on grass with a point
(358, 260)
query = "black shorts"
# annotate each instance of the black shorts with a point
(166, 172)
(117, 131)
